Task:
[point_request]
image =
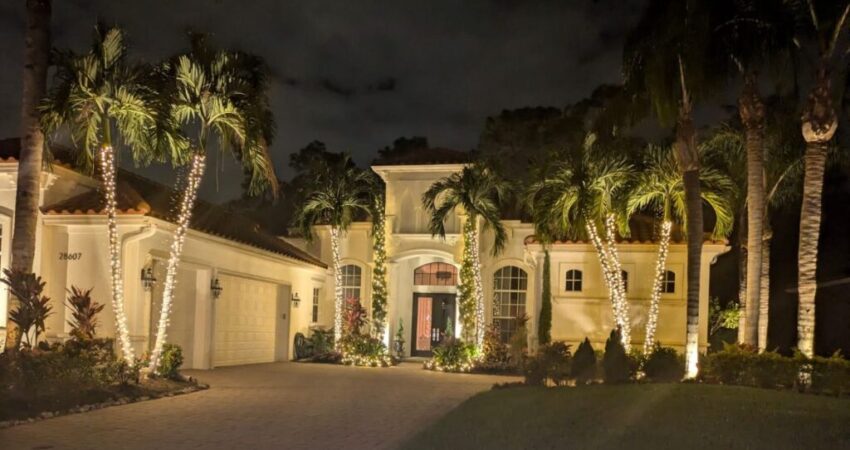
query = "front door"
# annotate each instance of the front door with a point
(431, 316)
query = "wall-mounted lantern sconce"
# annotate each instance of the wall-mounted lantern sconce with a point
(216, 288)
(296, 300)
(148, 280)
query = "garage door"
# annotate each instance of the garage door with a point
(245, 318)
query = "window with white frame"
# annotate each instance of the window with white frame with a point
(669, 286)
(351, 280)
(574, 280)
(316, 292)
(509, 291)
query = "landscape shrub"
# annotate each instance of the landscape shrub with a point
(617, 367)
(557, 359)
(364, 350)
(495, 357)
(534, 370)
(583, 367)
(33, 308)
(171, 361)
(84, 313)
(664, 365)
(452, 355)
(771, 370)
(830, 375)
(727, 366)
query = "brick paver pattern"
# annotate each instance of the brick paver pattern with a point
(281, 405)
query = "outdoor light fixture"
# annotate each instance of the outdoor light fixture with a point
(215, 287)
(296, 300)
(148, 280)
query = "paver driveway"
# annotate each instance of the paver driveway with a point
(283, 405)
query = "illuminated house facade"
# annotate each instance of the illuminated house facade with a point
(252, 318)
(423, 270)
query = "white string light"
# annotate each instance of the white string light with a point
(657, 286)
(337, 287)
(613, 278)
(187, 203)
(379, 277)
(478, 289)
(107, 166)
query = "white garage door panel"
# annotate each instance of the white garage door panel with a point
(245, 322)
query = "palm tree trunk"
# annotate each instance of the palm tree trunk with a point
(611, 276)
(751, 111)
(107, 170)
(36, 52)
(338, 300)
(810, 219)
(187, 204)
(693, 204)
(657, 286)
(480, 328)
(742, 273)
(618, 282)
(764, 295)
(819, 123)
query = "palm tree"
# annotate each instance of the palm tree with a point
(95, 95)
(726, 149)
(668, 65)
(339, 192)
(36, 53)
(479, 192)
(659, 189)
(219, 96)
(379, 270)
(575, 200)
(823, 23)
(753, 35)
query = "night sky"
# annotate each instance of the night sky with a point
(358, 74)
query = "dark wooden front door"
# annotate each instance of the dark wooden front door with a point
(431, 316)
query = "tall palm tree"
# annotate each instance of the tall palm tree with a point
(823, 24)
(103, 102)
(338, 193)
(668, 65)
(216, 99)
(479, 193)
(577, 198)
(753, 34)
(36, 53)
(726, 149)
(659, 189)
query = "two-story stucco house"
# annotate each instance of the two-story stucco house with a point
(423, 270)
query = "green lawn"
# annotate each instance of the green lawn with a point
(652, 416)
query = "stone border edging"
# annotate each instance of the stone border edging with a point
(95, 406)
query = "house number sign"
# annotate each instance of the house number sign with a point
(66, 256)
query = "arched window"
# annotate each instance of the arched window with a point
(574, 280)
(435, 274)
(509, 286)
(625, 280)
(669, 286)
(351, 280)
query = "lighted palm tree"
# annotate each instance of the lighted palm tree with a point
(660, 189)
(478, 192)
(820, 26)
(577, 199)
(218, 99)
(27, 195)
(668, 65)
(726, 149)
(102, 101)
(339, 191)
(754, 35)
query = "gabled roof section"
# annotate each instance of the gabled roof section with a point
(424, 156)
(137, 195)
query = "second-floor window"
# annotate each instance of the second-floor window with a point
(574, 281)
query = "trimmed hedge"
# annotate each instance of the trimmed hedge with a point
(744, 366)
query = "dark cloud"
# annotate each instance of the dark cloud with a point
(357, 75)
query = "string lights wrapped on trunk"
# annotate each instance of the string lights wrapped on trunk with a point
(657, 286)
(107, 168)
(187, 203)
